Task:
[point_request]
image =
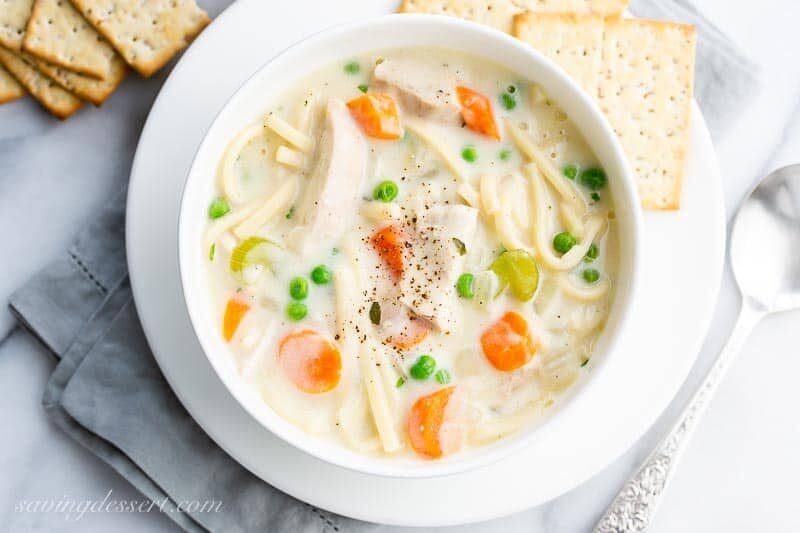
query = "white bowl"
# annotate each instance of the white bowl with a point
(248, 105)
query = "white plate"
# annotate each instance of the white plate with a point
(684, 254)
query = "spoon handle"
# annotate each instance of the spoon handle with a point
(634, 507)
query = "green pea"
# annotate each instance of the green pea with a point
(470, 154)
(218, 208)
(296, 311)
(321, 275)
(363, 88)
(508, 101)
(464, 285)
(590, 275)
(443, 377)
(593, 178)
(352, 67)
(298, 288)
(591, 253)
(570, 171)
(563, 242)
(505, 154)
(385, 191)
(423, 367)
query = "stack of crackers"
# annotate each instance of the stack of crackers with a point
(640, 72)
(67, 52)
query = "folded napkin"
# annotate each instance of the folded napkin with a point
(108, 393)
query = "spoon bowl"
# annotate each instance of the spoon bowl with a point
(765, 242)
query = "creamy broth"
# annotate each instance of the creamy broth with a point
(388, 273)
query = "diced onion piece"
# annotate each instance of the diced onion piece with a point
(289, 133)
(486, 287)
(537, 95)
(291, 158)
(381, 211)
(558, 373)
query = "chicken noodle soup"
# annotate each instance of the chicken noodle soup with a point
(412, 253)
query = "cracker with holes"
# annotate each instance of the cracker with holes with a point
(574, 42)
(89, 89)
(10, 89)
(646, 86)
(58, 34)
(643, 82)
(500, 13)
(14, 15)
(52, 96)
(146, 33)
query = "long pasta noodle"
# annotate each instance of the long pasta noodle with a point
(423, 133)
(487, 431)
(571, 220)
(590, 293)
(468, 193)
(230, 183)
(594, 225)
(506, 229)
(274, 203)
(236, 216)
(351, 415)
(564, 187)
(490, 203)
(346, 284)
(289, 133)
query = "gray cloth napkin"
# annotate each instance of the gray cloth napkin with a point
(108, 393)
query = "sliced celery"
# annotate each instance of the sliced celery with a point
(517, 269)
(251, 251)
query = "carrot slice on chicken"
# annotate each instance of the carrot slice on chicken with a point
(476, 110)
(507, 343)
(377, 115)
(389, 242)
(425, 421)
(310, 361)
(234, 313)
(411, 332)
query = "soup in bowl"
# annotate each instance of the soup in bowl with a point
(407, 254)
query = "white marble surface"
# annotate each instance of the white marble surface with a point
(741, 469)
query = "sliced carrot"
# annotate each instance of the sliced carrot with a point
(234, 313)
(389, 242)
(377, 115)
(507, 343)
(476, 110)
(310, 361)
(411, 332)
(425, 421)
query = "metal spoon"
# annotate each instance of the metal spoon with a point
(766, 265)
